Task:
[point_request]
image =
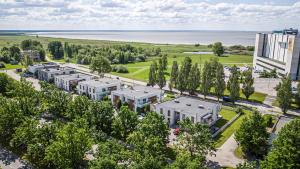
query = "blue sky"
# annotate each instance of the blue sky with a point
(150, 14)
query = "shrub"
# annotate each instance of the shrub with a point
(2, 65)
(120, 69)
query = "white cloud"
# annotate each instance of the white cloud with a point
(145, 14)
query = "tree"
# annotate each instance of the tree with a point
(100, 115)
(186, 68)
(194, 79)
(247, 165)
(233, 84)
(220, 84)
(253, 136)
(248, 81)
(26, 61)
(174, 73)
(165, 62)
(196, 139)
(183, 160)
(56, 49)
(100, 65)
(180, 81)
(70, 146)
(29, 44)
(4, 82)
(78, 106)
(124, 123)
(15, 53)
(284, 93)
(297, 95)
(285, 151)
(218, 49)
(161, 80)
(206, 79)
(152, 75)
(103, 163)
(150, 136)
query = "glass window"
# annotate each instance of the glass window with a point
(169, 112)
(161, 111)
(183, 116)
(103, 90)
(93, 90)
(193, 119)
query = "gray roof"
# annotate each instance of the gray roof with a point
(138, 91)
(189, 105)
(100, 82)
(74, 76)
(53, 70)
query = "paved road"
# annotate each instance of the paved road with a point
(224, 156)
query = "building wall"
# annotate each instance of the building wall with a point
(279, 51)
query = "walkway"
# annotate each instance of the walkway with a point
(8, 160)
(224, 156)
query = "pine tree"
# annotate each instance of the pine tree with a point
(152, 75)
(234, 85)
(220, 84)
(161, 80)
(174, 73)
(284, 93)
(165, 62)
(193, 79)
(248, 81)
(206, 79)
(180, 81)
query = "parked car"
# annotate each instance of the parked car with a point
(176, 131)
(226, 99)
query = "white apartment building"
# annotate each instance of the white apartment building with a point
(49, 73)
(136, 96)
(98, 88)
(278, 50)
(198, 111)
(34, 68)
(69, 82)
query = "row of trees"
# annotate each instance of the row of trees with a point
(189, 78)
(53, 129)
(253, 139)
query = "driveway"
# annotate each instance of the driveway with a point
(224, 156)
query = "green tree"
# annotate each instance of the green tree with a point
(100, 65)
(174, 73)
(247, 165)
(233, 84)
(4, 83)
(196, 139)
(152, 75)
(253, 136)
(124, 123)
(285, 151)
(218, 49)
(150, 136)
(206, 79)
(56, 49)
(103, 163)
(297, 95)
(194, 79)
(180, 85)
(26, 61)
(70, 146)
(184, 161)
(165, 62)
(248, 81)
(220, 84)
(161, 79)
(78, 106)
(284, 93)
(186, 68)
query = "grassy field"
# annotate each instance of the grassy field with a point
(222, 137)
(255, 97)
(226, 116)
(140, 71)
(10, 66)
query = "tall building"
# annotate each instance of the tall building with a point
(278, 50)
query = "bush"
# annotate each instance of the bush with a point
(2, 65)
(120, 69)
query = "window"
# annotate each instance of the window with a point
(183, 116)
(169, 121)
(93, 90)
(161, 111)
(193, 119)
(90, 89)
(80, 87)
(83, 87)
(169, 112)
(144, 100)
(103, 90)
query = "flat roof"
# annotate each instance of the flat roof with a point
(73, 76)
(100, 82)
(57, 69)
(189, 105)
(137, 91)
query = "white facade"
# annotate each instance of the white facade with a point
(69, 82)
(278, 50)
(49, 73)
(98, 88)
(34, 68)
(136, 96)
(198, 111)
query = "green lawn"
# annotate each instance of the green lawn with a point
(255, 97)
(239, 153)
(227, 115)
(222, 137)
(10, 66)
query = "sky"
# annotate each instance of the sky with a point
(256, 15)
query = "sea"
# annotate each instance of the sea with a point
(246, 38)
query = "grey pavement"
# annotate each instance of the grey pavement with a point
(8, 160)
